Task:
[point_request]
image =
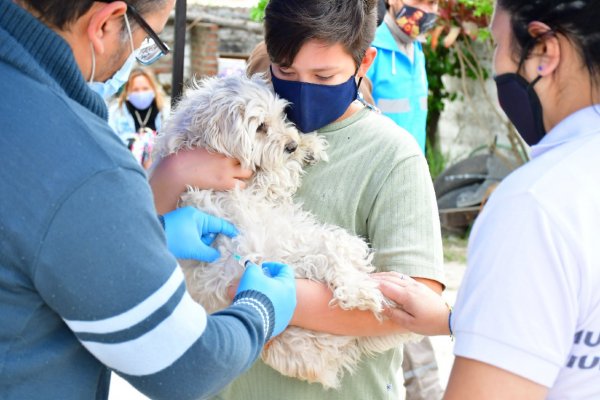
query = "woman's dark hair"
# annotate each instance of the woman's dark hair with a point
(60, 13)
(577, 20)
(289, 24)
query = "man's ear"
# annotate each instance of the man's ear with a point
(105, 19)
(367, 60)
(547, 50)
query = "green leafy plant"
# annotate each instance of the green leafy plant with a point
(462, 27)
(257, 13)
(435, 159)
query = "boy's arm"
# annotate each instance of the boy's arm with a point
(404, 230)
(194, 167)
(314, 312)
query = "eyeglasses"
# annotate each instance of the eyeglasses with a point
(152, 47)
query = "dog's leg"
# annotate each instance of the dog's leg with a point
(347, 272)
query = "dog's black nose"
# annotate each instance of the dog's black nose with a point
(291, 147)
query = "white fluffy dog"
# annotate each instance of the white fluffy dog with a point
(243, 119)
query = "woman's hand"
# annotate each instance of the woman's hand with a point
(194, 167)
(419, 309)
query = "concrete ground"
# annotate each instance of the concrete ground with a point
(121, 390)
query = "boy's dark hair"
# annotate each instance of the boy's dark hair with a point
(577, 20)
(60, 13)
(291, 23)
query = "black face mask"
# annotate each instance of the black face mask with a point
(522, 106)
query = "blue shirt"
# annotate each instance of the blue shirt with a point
(399, 85)
(86, 281)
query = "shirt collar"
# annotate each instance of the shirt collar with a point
(581, 123)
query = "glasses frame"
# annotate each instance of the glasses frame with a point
(147, 28)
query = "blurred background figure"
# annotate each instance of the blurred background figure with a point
(398, 72)
(137, 114)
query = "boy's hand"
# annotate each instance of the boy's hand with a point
(420, 309)
(190, 232)
(194, 167)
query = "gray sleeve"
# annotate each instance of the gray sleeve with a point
(404, 224)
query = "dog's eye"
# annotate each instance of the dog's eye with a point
(262, 128)
(291, 147)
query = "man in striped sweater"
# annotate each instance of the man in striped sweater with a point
(87, 282)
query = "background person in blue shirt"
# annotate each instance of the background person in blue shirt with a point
(87, 282)
(399, 90)
(398, 73)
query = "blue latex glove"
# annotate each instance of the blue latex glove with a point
(190, 232)
(277, 282)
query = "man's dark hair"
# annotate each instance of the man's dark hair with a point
(291, 23)
(60, 13)
(577, 20)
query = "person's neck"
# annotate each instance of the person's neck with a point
(403, 41)
(82, 50)
(569, 103)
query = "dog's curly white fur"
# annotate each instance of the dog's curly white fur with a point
(243, 119)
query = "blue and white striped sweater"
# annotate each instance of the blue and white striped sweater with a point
(86, 281)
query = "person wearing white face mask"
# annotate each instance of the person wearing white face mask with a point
(138, 113)
(89, 281)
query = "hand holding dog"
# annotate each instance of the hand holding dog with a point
(277, 282)
(190, 232)
(193, 167)
(419, 309)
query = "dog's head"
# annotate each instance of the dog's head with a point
(241, 118)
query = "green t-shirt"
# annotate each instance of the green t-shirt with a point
(375, 185)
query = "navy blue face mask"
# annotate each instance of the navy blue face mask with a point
(312, 106)
(522, 106)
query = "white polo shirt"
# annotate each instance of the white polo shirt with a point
(529, 302)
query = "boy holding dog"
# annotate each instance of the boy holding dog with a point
(376, 184)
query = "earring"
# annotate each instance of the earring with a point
(540, 68)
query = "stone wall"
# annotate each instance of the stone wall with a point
(212, 33)
(474, 119)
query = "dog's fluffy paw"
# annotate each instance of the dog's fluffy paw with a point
(363, 297)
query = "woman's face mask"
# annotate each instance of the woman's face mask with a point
(312, 106)
(414, 22)
(141, 100)
(522, 106)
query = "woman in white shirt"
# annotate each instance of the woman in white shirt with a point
(527, 316)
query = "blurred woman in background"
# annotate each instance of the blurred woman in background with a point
(138, 113)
